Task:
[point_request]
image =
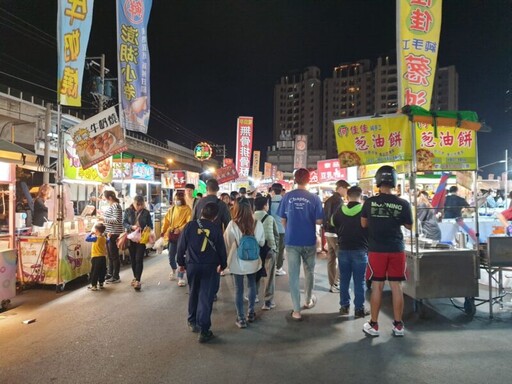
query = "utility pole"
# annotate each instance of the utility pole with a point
(222, 150)
(506, 175)
(47, 139)
(99, 92)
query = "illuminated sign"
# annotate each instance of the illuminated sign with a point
(203, 151)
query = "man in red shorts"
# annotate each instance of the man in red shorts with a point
(384, 215)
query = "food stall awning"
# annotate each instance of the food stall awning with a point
(15, 154)
(460, 119)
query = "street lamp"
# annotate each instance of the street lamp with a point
(504, 161)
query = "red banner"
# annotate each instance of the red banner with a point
(226, 174)
(244, 128)
(329, 170)
(179, 179)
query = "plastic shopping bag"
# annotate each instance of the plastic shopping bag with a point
(159, 245)
(135, 236)
(145, 235)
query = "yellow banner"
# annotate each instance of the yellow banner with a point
(454, 149)
(419, 27)
(372, 141)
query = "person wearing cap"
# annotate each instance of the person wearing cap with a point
(273, 207)
(331, 205)
(300, 212)
(189, 196)
(384, 215)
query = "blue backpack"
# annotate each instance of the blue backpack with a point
(248, 249)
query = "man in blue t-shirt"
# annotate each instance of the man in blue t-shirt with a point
(300, 211)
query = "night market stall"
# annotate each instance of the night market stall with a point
(414, 142)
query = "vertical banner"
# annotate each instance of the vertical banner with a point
(267, 170)
(74, 19)
(274, 172)
(133, 63)
(256, 163)
(300, 157)
(244, 128)
(418, 30)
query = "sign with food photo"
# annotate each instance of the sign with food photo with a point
(365, 140)
(73, 170)
(448, 149)
(98, 138)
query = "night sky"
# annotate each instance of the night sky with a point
(214, 60)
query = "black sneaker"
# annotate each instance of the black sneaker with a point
(344, 310)
(205, 336)
(108, 277)
(251, 316)
(361, 312)
(193, 327)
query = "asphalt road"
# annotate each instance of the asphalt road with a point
(122, 336)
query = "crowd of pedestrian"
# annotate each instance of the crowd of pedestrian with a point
(248, 236)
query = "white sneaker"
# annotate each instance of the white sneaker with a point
(334, 289)
(246, 298)
(280, 272)
(398, 329)
(172, 276)
(371, 329)
(181, 283)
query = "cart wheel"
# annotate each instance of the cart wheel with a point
(469, 306)
(5, 304)
(419, 308)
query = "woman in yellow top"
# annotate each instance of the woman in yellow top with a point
(174, 221)
(98, 256)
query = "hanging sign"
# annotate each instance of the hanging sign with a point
(244, 145)
(98, 138)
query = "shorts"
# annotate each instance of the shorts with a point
(384, 266)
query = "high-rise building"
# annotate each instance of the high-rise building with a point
(348, 93)
(298, 106)
(445, 96)
(355, 90)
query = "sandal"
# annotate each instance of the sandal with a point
(294, 317)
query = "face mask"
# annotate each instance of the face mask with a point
(178, 203)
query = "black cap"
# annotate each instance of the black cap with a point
(242, 190)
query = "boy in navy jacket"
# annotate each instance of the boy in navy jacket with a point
(202, 249)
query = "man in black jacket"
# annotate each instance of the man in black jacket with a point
(206, 257)
(353, 253)
(330, 206)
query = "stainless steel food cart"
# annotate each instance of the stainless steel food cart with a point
(442, 273)
(495, 258)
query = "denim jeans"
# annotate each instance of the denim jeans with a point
(173, 249)
(352, 264)
(239, 293)
(294, 255)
